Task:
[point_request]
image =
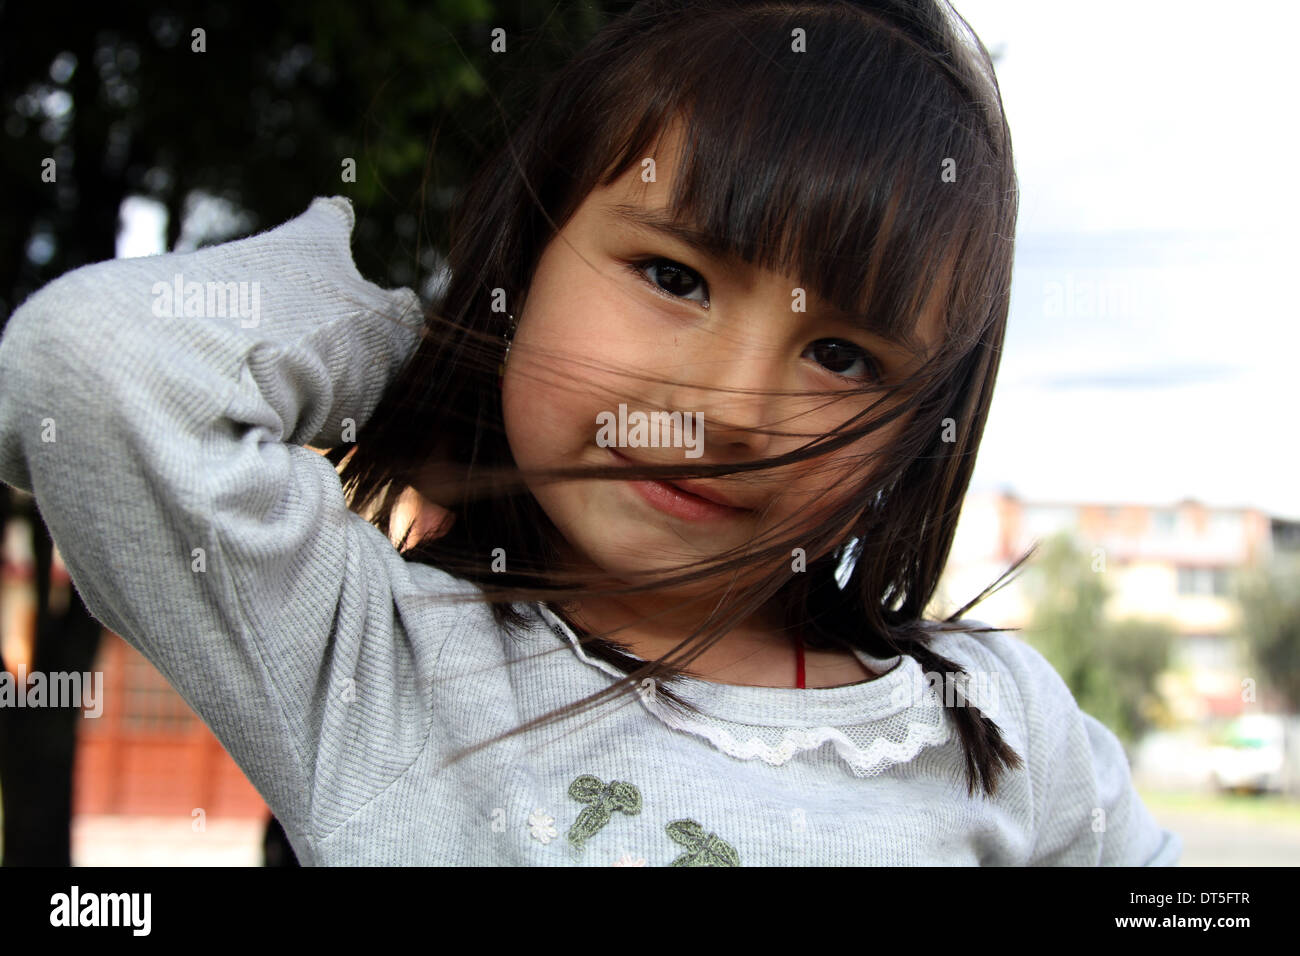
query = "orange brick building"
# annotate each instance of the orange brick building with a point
(149, 754)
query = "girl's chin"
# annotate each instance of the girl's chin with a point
(647, 569)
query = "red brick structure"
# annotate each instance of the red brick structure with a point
(149, 754)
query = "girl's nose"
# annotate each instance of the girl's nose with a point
(734, 395)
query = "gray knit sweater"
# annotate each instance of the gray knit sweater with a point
(159, 416)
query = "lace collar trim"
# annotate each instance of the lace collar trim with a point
(872, 725)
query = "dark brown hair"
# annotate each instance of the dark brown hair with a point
(828, 164)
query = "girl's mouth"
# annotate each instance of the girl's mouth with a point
(676, 501)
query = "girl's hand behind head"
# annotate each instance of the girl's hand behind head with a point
(424, 516)
(439, 485)
(432, 519)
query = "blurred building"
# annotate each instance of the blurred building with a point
(1173, 562)
(149, 753)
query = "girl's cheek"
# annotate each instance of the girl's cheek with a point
(551, 413)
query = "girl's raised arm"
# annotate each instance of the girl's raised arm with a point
(157, 409)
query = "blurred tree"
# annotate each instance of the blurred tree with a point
(1110, 666)
(261, 107)
(1269, 627)
(264, 116)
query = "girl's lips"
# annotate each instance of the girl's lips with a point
(676, 502)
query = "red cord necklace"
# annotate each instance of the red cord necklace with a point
(799, 676)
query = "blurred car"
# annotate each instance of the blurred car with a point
(1251, 754)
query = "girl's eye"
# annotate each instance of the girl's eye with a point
(837, 355)
(673, 278)
(843, 358)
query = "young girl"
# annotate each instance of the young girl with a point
(690, 426)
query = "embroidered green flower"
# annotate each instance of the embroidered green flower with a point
(602, 800)
(702, 848)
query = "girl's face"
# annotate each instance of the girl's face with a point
(609, 292)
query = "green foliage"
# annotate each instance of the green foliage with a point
(1110, 666)
(263, 118)
(1270, 624)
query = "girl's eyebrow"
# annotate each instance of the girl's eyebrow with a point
(659, 221)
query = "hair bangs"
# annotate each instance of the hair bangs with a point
(795, 163)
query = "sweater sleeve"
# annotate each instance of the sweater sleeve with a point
(1085, 808)
(162, 435)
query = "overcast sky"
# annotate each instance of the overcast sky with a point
(1153, 346)
(1154, 143)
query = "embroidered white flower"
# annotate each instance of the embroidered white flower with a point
(627, 860)
(541, 826)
